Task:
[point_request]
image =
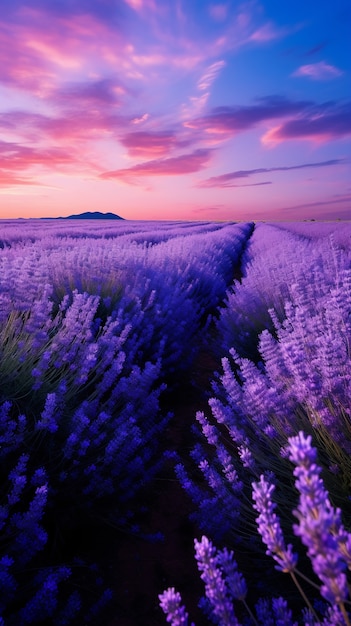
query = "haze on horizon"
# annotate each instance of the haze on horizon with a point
(170, 109)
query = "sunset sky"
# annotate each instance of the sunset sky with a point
(176, 109)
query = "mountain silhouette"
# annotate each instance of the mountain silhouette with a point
(94, 215)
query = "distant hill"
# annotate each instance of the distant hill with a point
(94, 215)
(89, 215)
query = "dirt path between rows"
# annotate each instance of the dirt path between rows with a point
(143, 568)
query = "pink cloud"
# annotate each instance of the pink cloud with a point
(16, 159)
(319, 124)
(32, 54)
(173, 166)
(141, 119)
(149, 144)
(318, 71)
(10, 179)
(14, 156)
(64, 129)
(141, 5)
(20, 66)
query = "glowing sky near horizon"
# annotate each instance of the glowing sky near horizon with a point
(176, 109)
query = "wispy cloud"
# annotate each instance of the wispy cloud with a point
(230, 120)
(16, 156)
(319, 124)
(17, 162)
(173, 166)
(11, 179)
(197, 103)
(90, 93)
(225, 180)
(332, 206)
(210, 75)
(90, 125)
(318, 71)
(33, 57)
(267, 32)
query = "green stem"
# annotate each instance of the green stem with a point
(308, 604)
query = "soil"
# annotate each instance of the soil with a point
(144, 569)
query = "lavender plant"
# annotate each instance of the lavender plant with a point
(320, 529)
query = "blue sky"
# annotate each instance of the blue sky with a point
(159, 109)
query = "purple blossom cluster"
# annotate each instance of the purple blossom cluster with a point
(319, 523)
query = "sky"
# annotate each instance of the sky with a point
(176, 109)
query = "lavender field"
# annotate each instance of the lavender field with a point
(152, 371)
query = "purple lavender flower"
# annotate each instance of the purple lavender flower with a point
(282, 613)
(43, 604)
(235, 581)
(269, 526)
(19, 480)
(48, 418)
(319, 523)
(264, 612)
(215, 584)
(171, 604)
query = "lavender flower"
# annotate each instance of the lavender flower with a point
(319, 522)
(171, 604)
(282, 613)
(268, 524)
(216, 588)
(43, 604)
(48, 419)
(235, 581)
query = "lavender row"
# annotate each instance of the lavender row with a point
(89, 333)
(166, 289)
(293, 304)
(20, 232)
(340, 231)
(276, 263)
